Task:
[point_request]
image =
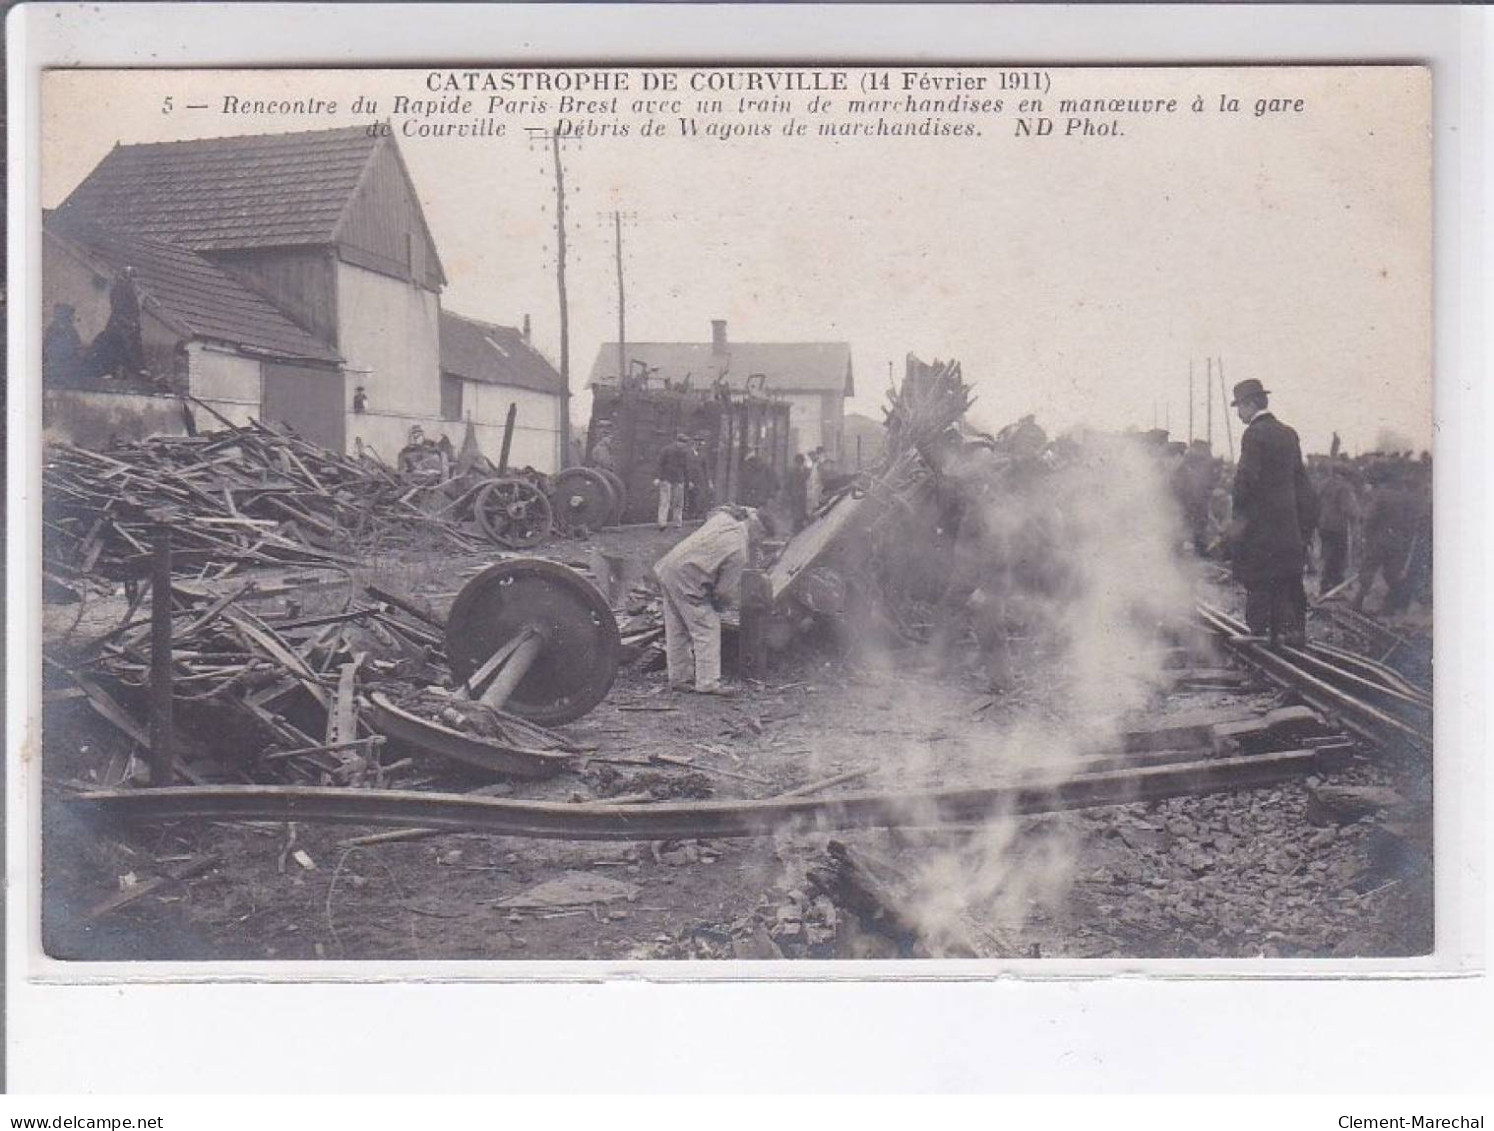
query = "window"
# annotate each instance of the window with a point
(451, 398)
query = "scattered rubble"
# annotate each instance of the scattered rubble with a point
(234, 498)
(287, 696)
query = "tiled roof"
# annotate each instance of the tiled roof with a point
(193, 296)
(790, 367)
(261, 190)
(493, 355)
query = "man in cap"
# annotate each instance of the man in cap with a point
(798, 492)
(1389, 536)
(62, 346)
(671, 478)
(1198, 475)
(698, 487)
(602, 455)
(1339, 515)
(699, 578)
(118, 351)
(1275, 512)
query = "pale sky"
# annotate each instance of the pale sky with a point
(1073, 278)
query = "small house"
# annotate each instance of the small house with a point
(326, 229)
(486, 369)
(201, 331)
(813, 378)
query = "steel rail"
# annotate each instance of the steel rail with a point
(1353, 683)
(1371, 669)
(1368, 668)
(1337, 666)
(705, 819)
(1362, 719)
(1351, 620)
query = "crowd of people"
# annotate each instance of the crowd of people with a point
(687, 490)
(1004, 510)
(116, 353)
(1362, 525)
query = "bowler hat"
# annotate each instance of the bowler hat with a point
(1248, 389)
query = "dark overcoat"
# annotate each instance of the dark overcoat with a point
(1275, 508)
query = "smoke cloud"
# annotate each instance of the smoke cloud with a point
(1076, 569)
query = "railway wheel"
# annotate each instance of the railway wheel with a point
(581, 496)
(514, 513)
(541, 633)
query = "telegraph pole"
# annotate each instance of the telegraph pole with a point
(565, 319)
(1190, 400)
(1209, 405)
(622, 322)
(1229, 433)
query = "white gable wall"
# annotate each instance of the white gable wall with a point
(389, 333)
(806, 418)
(229, 382)
(536, 426)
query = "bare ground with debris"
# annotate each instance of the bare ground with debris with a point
(1265, 872)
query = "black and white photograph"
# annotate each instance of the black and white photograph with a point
(788, 516)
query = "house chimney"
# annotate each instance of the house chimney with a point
(526, 329)
(718, 335)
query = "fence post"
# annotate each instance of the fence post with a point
(162, 737)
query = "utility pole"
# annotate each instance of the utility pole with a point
(1209, 404)
(1190, 400)
(1229, 433)
(622, 323)
(162, 724)
(565, 317)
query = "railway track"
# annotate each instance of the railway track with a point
(1139, 777)
(1371, 700)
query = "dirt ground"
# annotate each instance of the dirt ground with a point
(1243, 874)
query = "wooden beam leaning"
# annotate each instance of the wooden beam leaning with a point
(706, 819)
(752, 637)
(162, 728)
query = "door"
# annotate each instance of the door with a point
(308, 400)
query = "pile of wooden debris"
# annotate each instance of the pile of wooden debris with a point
(233, 498)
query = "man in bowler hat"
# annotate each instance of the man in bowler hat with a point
(1275, 512)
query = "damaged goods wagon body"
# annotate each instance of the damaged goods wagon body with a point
(629, 428)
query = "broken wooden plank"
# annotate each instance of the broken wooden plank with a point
(672, 760)
(342, 719)
(266, 637)
(831, 782)
(404, 605)
(194, 867)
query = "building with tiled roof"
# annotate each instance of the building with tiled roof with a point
(484, 369)
(815, 378)
(311, 244)
(326, 188)
(202, 332)
(488, 354)
(193, 299)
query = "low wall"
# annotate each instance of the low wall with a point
(90, 419)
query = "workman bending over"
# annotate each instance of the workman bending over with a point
(700, 577)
